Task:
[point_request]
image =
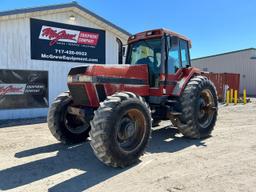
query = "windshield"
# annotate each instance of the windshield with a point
(145, 52)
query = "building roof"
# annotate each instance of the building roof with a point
(226, 53)
(61, 6)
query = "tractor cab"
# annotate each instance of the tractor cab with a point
(163, 51)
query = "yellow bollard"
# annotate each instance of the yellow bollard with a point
(235, 97)
(244, 96)
(231, 95)
(227, 97)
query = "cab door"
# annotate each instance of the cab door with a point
(177, 60)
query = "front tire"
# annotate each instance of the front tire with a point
(65, 127)
(120, 129)
(199, 108)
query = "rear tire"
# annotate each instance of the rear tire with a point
(199, 108)
(60, 122)
(120, 129)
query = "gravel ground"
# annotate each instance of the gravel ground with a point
(32, 160)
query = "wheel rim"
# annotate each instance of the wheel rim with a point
(131, 130)
(74, 124)
(206, 108)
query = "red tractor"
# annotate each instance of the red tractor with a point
(116, 105)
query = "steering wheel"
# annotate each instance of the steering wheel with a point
(152, 63)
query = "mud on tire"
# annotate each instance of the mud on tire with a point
(120, 129)
(199, 108)
(59, 122)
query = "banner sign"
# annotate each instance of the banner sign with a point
(23, 89)
(61, 42)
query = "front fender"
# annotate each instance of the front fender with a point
(184, 77)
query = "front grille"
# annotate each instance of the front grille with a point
(79, 94)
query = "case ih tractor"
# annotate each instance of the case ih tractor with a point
(116, 105)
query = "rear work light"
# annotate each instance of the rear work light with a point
(155, 32)
(149, 33)
(133, 37)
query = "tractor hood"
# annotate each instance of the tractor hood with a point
(91, 84)
(111, 74)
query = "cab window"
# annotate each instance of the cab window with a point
(174, 58)
(184, 53)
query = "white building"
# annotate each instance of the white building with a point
(242, 62)
(38, 48)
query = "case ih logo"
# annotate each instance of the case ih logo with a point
(55, 34)
(12, 89)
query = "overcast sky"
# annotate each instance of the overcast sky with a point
(214, 26)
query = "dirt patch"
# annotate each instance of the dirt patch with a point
(32, 160)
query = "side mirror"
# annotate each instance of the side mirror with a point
(124, 50)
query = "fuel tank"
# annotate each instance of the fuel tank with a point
(91, 84)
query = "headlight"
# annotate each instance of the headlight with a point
(79, 78)
(85, 78)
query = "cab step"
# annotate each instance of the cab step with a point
(175, 113)
(170, 101)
